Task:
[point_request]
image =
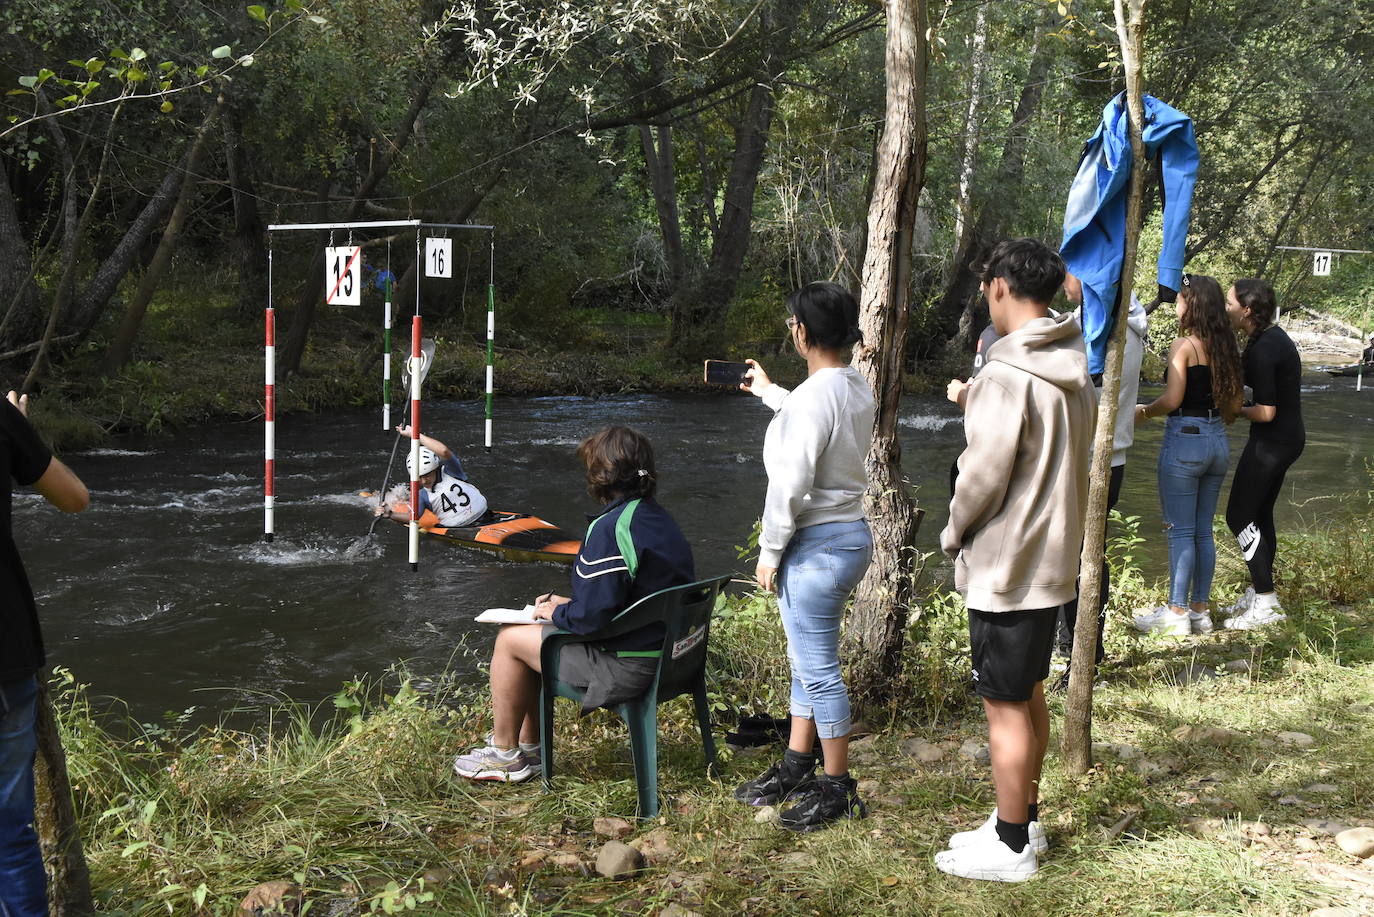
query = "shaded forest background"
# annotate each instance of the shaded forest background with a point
(660, 173)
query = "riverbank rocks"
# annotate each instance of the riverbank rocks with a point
(1358, 842)
(1296, 739)
(1237, 666)
(922, 750)
(272, 899)
(1324, 826)
(616, 860)
(766, 815)
(612, 827)
(975, 751)
(656, 845)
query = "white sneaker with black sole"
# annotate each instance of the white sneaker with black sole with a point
(988, 831)
(990, 860)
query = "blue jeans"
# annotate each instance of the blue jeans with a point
(23, 883)
(821, 566)
(1192, 464)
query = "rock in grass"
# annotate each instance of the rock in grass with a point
(612, 827)
(1357, 842)
(1324, 826)
(1296, 739)
(922, 750)
(1307, 844)
(677, 910)
(1193, 673)
(766, 814)
(656, 845)
(1334, 912)
(1321, 788)
(272, 899)
(617, 860)
(1239, 666)
(975, 751)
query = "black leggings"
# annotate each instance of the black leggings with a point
(1250, 510)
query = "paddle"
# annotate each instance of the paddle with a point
(426, 360)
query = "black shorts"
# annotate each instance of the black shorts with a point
(1011, 651)
(604, 678)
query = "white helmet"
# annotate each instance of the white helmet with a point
(428, 462)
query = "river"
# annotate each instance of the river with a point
(164, 593)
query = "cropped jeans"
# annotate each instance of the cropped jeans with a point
(23, 883)
(820, 568)
(1192, 464)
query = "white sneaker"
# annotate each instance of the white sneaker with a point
(1264, 610)
(1200, 621)
(492, 763)
(1240, 605)
(991, 860)
(988, 831)
(1162, 620)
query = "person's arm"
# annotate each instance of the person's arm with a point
(957, 392)
(1174, 386)
(600, 584)
(60, 486)
(1259, 413)
(993, 428)
(429, 442)
(1261, 374)
(803, 431)
(402, 515)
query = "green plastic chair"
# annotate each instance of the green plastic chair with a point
(686, 615)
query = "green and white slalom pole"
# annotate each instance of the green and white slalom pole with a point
(491, 330)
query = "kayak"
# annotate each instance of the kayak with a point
(512, 536)
(1352, 370)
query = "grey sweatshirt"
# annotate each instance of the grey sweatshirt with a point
(1016, 519)
(814, 453)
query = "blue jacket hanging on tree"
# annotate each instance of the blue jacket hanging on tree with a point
(1095, 216)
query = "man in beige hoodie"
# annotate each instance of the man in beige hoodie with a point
(1015, 530)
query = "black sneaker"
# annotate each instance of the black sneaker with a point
(828, 800)
(774, 785)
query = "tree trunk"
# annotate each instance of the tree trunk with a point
(250, 232)
(877, 622)
(59, 836)
(968, 152)
(123, 344)
(303, 316)
(18, 293)
(1076, 746)
(992, 216)
(663, 180)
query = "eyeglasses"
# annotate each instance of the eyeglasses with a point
(791, 322)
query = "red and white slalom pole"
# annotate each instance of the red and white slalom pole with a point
(416, 362)
(270, 423)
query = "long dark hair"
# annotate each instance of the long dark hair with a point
(1205, 315)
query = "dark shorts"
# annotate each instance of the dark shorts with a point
(1011, 651)
(604, 678)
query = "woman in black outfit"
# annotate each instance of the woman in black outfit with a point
(1274, 374)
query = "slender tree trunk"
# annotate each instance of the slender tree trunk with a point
(659, 160)
(18, 293)
(250, 232)
(992, 215)
(123, 344)
(877, 622)
(59, 835)
(968, 153)
(1076, 745)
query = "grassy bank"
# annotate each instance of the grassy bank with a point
(1218, 808)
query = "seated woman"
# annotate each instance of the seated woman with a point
(606, 580)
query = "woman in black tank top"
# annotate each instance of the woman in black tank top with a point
(1202, 394)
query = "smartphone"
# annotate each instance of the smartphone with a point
(723, 372)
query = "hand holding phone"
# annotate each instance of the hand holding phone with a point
(755, 380)
(723, 372)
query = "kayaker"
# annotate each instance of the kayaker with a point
(444, 486)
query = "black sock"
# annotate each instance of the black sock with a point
(798, 763)
(1016, 836)
(1033, 811)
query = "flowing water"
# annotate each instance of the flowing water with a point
(165, 594)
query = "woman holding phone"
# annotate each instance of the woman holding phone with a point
(814, 548)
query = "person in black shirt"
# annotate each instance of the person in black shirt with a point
(23, 882)
(1368, 356)
(1273, 372)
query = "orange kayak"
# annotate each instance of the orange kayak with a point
(512, 536)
